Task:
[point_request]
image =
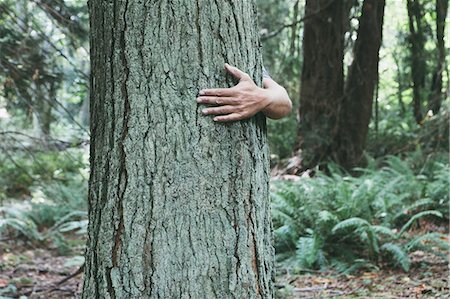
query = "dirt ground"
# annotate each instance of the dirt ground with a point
(39, 273)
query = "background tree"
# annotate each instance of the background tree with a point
(356, 110)
(334, 119)
(437, 93)
(322, 79)
(178, 205)
(427, 57)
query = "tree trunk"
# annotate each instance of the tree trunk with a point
(322, 79)
(178, 204)
(418, 63)
(437, 95)
(362, 78)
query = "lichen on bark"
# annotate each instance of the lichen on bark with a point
(178, 204)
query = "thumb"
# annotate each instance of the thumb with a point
(237, 73)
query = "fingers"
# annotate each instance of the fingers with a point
(217, 92)
(216, 100)
(237, 73)
(219, 110)
(229, 117)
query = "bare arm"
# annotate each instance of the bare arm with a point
(245, 99)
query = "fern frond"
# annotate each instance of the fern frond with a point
(418, 216)
(400, 256)
(435, 238)
(383, 230)
(354, 222)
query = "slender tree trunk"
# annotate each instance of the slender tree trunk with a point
(322, 79)
(42, 108)
(437, 94)
(294, 33)
(418, 64)
(362, 78)
(400, 85)
(178, 204)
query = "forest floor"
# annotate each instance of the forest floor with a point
(39, 273)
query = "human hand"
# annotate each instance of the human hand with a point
(236, 103)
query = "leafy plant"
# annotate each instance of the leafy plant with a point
(351, 222)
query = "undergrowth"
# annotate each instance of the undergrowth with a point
(365, 221)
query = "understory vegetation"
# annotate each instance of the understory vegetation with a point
(369, 220)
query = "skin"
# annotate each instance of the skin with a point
(245, 99)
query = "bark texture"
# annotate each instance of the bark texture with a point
(356, 110)
(322, 79)
(178, 205)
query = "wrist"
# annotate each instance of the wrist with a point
(266, 101)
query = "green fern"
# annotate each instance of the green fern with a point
(400, 256)
(418, 216)
(354, 223)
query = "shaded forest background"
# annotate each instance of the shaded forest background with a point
(360, 169)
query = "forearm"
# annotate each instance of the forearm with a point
(278, 102)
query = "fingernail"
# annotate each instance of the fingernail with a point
(199, 100)
(202, 92)
(215, 119)
(204, 111)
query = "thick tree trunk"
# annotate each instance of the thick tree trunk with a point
(437, 94)
(178, 204)
(322, 79)
(362, 78)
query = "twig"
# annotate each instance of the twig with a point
(76, 273)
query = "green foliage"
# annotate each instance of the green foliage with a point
(282, 138)
(22, 171)
(19, 222)
(350, 222)
(51, 201)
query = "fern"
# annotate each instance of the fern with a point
(430, 237)
(382, 230)
(27, 229)
(306, 251)
(399, 255)
(416, 217)
(350, 223)
(345, 222)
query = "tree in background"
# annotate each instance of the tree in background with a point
(437, 94)
(427, 54)
(33, 64)
(178, 205)
(334, 118)
(322, 79)
(356, 108)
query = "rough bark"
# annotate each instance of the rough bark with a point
(178, 204)
(356, 110)
(322, 79)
